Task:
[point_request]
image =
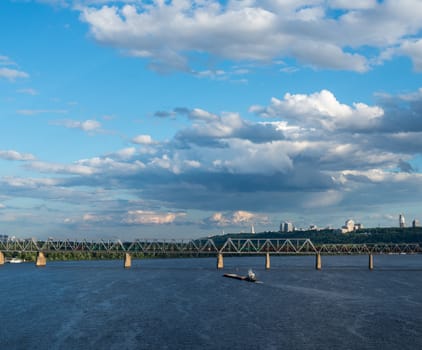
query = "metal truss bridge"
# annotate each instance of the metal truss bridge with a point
(198, 247)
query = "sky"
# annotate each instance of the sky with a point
(181, 119)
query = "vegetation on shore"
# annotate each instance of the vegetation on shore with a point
(369, 236)
(74, 255)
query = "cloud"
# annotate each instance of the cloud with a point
(86, 219)
(200, 114)
(321, 109)
(41, 111)
(209, 129)
(28, 91)
(193, 114)
(289, 69)
(27, 182)
(318, 139)
(245, 157)
(310, 155)
(378, 176)
(236, 75)
(164, 114)
(14, 155)
(126, 153)
(63, 3)
(401, 114)
(89, 217)
(75, 169)
(328, 56)
(120, 163)
(405, 166)
(12, 74)
(353, 5)
(236, 218)
(413, 49)
(165, 33)
(143, 140)
(87, 125)
(141, 217)
(242, 216)
(6, 61)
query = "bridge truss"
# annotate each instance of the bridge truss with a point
(286, 246)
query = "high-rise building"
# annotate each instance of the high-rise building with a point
(286, 226)
(402, 222)
(415, 223)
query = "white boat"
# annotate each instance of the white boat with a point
(16, 261)
(251, 276)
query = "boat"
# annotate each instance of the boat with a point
(16, 261)
(250, 277)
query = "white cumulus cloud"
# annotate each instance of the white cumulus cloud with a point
(12, 74)
(150, 217)
(86, 125)
(143, 140)
(260, 30)
(239, 217)
(321, 109)
(14, 155)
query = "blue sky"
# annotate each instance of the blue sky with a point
(178, 119)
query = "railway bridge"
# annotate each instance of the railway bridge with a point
(204, 247)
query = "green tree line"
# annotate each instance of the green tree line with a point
(371, 235)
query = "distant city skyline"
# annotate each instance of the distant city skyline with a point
(126, 119)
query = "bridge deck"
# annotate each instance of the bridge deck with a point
(287, 246)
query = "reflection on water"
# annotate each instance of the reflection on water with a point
(186, 304)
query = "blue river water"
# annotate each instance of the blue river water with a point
(187, 304)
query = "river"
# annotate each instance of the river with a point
(187, 304)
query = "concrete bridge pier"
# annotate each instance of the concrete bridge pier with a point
(220, 261)
(371, 262)
(1, 258)
(318, 261)
(128, 261)
(41, 260)
(267, 261)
